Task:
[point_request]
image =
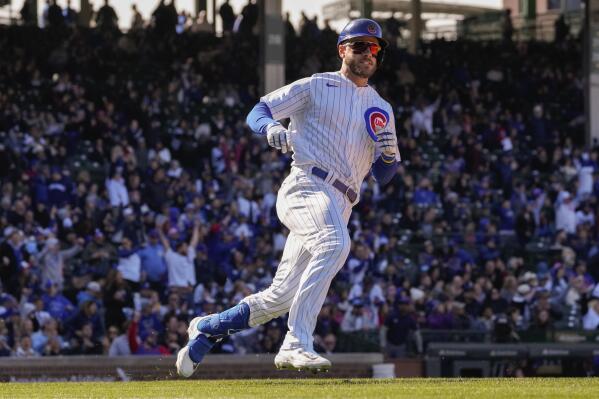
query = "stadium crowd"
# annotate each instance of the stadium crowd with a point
(133, 197)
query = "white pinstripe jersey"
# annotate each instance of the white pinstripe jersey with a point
(332, 123)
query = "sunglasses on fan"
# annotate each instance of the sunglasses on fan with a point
(361, 47)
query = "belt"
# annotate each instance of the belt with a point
(338, 184)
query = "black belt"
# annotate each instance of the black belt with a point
(338, 184)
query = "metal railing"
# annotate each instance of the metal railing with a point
(540, 28)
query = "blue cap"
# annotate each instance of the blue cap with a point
(362, 27)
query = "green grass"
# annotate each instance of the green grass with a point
(314, 388)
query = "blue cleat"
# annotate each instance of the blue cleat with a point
(213, 328)
(199, 344)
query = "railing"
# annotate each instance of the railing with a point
(540, 28)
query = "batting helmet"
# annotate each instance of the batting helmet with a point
(364, 27)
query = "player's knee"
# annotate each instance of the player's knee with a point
(336, 243)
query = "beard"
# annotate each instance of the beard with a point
(358, 68)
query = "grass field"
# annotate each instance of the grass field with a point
(314, 388)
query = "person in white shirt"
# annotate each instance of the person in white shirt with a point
(565, 215)
(120, 345)
(359, 317)
(25, 348)
(180, 262)
(117, 190)
(585, 169)
(129, 262)
(422, 117)
(590, 321)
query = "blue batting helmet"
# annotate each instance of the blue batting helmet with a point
(362, 27)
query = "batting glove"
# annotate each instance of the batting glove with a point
(387, 144)
(276, 135)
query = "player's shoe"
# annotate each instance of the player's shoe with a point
(201, 345)
(301, 359)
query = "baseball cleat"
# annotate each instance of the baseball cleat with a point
(300, 359)
(198, 343)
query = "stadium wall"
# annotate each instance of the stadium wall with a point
(125, 368)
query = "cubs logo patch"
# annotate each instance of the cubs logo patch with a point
(371, 29)
(375, 119)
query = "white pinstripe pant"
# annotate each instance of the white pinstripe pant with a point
(318, 244)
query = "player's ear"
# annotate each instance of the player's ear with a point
(341, 49)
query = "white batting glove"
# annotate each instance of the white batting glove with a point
(276, 135)
(387, 144)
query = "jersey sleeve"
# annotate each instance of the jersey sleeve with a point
(390, 128)
(288, 100)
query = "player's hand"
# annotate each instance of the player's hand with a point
(387, 144)
(276, 135)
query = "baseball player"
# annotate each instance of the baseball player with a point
(340, 130)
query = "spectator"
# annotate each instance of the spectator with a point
(439, 318)
(565, 213)
(153, 265)
(227, 16)
(250, 18)
(24, 349)
(146, 344)
(88, 314)
(180, 262)
(590, 320)
(70, 15)
(399, 323)
(56, 304)
(55, 17)
(359, 317)
(201, 24)
(328, 344)
(119, 345)
(27, 15)
(106, 18)
(561, 29)
(118, 299)
(117, 190)
(11, 257)
(137, 21)
(85, 341)
(92, 293)
(52, 261)
(99, 255)
(5, 349)
(508, 27)
(42, 341)
(129, 263)
(422, 117)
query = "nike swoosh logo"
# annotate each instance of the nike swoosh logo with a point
(330, 85)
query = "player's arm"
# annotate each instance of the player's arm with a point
(261, 121)
(280, 104)
(383, 171)
(259, 118)
(387, 155)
